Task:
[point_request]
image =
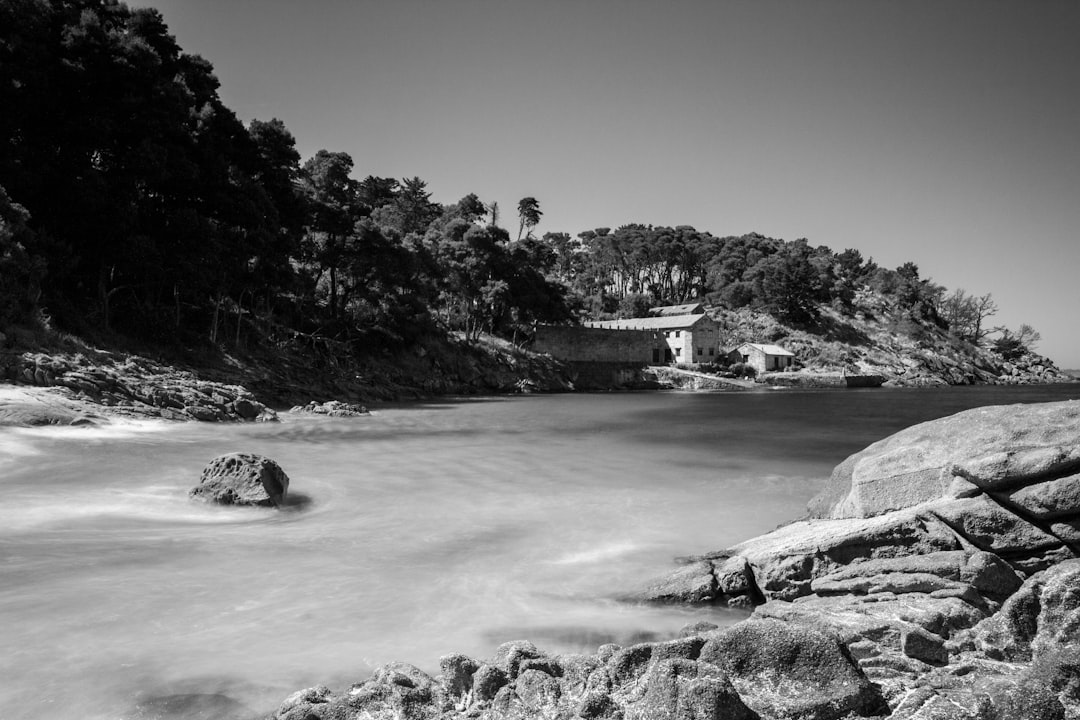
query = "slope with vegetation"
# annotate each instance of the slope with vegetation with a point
(137, 211)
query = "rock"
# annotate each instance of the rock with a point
(1042, 615)
(989, 526)
(788, 671)
(331, 408)
(487, 681)
(247, 409)
(509, 656)
(990, 446)
(1048, 500)
(537, 690)
(923, 645)
(694, 583)
(457, 673)
(35, 415)
(242, 479)
(785, 561)
(687, 690)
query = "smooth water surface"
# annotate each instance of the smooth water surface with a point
(422, 530)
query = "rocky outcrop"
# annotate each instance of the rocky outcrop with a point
(942, 557)
(759, 669)
(133, 386)
(242, 479)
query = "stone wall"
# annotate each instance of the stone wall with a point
(821, 380)
(583, 344)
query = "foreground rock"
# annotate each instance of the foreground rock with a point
(943, 557)
(758, 669)
(242, 479)
(954, 598)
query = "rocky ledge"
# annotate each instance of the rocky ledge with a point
(80, 387)
(936, 578)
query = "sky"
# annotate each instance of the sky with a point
(941, 132)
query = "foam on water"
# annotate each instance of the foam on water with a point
(602, 553)
(107, 507)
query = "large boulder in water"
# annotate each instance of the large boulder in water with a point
(242, 479)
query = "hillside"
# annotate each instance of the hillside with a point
(877, 336)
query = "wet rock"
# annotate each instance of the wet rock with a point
(242, 479)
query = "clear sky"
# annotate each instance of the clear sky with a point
(944, 132)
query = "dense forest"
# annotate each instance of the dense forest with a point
(132, 201)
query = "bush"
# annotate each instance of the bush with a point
(743, 370)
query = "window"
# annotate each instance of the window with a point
(678, 332)
(678, 352)
(701, 351)
(711, 351)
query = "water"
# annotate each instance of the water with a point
(419, 531)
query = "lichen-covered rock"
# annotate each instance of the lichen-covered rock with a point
(790, 671)
(679, 689)
(242, 479)
(1044, 614)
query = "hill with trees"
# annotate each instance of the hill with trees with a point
(137, 210)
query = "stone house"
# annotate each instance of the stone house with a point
(667, 310)
(683, 338)
(763, 358)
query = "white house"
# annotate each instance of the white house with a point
(763, 358)
(687, 338)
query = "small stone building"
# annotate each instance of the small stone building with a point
(763, 358)
(669, 310)
(684, 338)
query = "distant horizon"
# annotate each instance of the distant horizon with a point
(942, 134)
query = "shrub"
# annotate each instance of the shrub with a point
(743, 370)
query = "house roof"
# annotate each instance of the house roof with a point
(767, 349)
(667, 322)
(687, 309)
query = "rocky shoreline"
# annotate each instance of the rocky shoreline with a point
(936, 578)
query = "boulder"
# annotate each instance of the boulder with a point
(782, 670)
(242, 479)
(993, 447)
(687, 690)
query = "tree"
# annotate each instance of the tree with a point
(1010, 345)
(20, 272)
(333, 197)
(785, 283)
(528, 214)
(635, 305)
(966, 315)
